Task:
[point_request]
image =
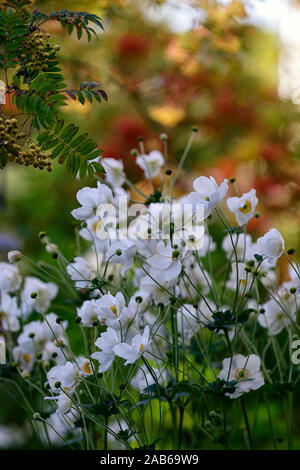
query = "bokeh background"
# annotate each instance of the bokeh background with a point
(229, 67)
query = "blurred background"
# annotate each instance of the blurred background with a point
(230, 67)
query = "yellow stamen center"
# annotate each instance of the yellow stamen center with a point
(141, 348)
(241, 374)
(246, 207)
(114, 310)
(87, 369)
(27, 358)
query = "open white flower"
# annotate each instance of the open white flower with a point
(81, 271)
(151, 163)
(243, 207)
(111, 308)
(88, 312)
(245, 371)
(64, 403)
(150, 290)
(10, 279)
(122, 252)
(271, 245)
(238, 277)
(9, 312)
(89, 233)
(208, 193)
(90, 199)
(85, 366)
(67, 375)
(275, 318)
(132, 352)
(165, 264)
(114, 171)
(25, 355)
(143, 378)
(46, 292)
(242, 244)
(106, 343)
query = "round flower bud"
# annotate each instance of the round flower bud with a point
(293, 290)
(163, 136)
(36, 416)
(31, 335)
(139, 299)
(57, 384)
(78, 320)
(118, 252)
(175, 254)
(232, 180)
(168, 172)
(14, 256)
(291, 251)
(33, 295)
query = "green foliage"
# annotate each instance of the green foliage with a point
(38, 86)
(69, 146)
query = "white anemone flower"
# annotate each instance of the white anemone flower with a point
(85, 366)
(89, 233)
(243, 207)
(151, 163)
(9, 312)
(88, 312)
(132, 352)
(245, 371)
(143, 378)
(25, 355)
(271, 245)
(45, 293)
(122, 252)
(208, 193)
(106, 343)
(242, 244)
(10, 279)
(114, 171)
(81, 271)
(164, 265)
(275, 319)
(64, 403)
(68, 375)
(90, 199)
(111, 308)
(158, 291)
